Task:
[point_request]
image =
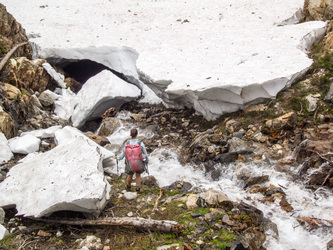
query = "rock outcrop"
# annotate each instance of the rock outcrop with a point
(28, 75)
(11, 34)
(318, 9)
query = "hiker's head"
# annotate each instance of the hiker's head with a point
(134, 132)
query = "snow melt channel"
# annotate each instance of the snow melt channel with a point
(166, 168)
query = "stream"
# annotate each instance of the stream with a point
(165, 167)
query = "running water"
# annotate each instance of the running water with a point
(165, 167)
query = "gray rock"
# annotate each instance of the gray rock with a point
(239, 134)
(256, 214)
(149, 181)
(227, 157)
(226, 220)
(256, 180)
(195, 215)
(218, 226)
(209, 217)
(251, 240)
(239, 146)
(270, 228)
(272, 191)
(200, 230)
(46, 99)
(329, 95)
(184, 187)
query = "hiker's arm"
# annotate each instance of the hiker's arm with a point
(144, 151)
(121, 156)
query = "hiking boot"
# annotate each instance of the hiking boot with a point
(138, 189)
(128, 187)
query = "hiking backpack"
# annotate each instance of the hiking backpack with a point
(134, 157)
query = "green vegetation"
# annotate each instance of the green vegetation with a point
(7, 239)
(3, 50)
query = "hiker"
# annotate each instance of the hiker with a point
(136, 156)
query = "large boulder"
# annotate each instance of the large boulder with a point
(68, 177)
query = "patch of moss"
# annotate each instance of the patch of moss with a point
(7, 239)
(3, 50)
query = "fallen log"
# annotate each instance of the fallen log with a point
(164, 226)
(9, 54)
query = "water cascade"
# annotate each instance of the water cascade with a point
(166, 168)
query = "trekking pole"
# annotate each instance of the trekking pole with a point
(117, 168)
(117, 165)
(147, 168)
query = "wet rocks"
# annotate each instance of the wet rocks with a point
(255, 214)
(256, 180)
(271, 194)
(285, 165)
(314, 154)
(182, 186)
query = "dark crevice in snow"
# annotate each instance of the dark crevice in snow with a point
(82, 70)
